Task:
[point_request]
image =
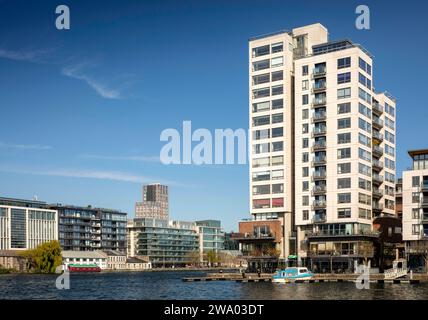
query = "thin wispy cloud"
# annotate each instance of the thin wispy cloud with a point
(121, 158)
(77, 72)
(37, 56)
(91, 174)
(24, 146)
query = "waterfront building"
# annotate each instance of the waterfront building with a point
(25, 224)
(165, 243)
(117, 260)
(85, 258)
(230, 241)
(211, 238)
(88, 228)
(138, 263)
(415, 209)
(155, 202)
(322, 147)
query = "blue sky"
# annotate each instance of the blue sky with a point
(82, 110)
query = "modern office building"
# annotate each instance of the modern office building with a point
(89, 229)
(154, 204)
(211, 238)
(323, 145)
(165, 243)
(25, 224)
(415, 209)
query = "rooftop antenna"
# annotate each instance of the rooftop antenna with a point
(35, 198)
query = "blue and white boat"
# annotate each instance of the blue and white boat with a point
(291, 274)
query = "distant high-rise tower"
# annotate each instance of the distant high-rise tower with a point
(155, 202)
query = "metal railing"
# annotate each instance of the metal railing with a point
(378, 122)
(377, 135)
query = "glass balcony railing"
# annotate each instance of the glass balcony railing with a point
(377, 164)
(319, 145)
(318, 160)
(424, 185)
(320, 174)
(319, 116)
(319, 189)
(378, 123)
(319, 101)
(377, 193)
(377, 150)
(377, 178)
(319, 71)
(319, 131)
(319, 86)
(319, 204)
(377, 108)
(378, 136)
(319, 218)
(377, 206)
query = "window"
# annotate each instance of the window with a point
(416, 182)
(278, 188)
(261, 51)
(305, 70)
(277, 90)
(305, 99)
(344, 63)
(277, 104)
(364, 140)
(305, 200)
(305, 85)
(344, 213)
(343, 123)
(364, 96)
(277, 75)
(260, 93)
(365, 66)
(305, 186)
(305, 172)
(260, 121)
(363, 169)
(262, 78)
(277, 132)
(344, 108)
(365, 81)
(416, 229)
(277, 174)
(305, 114)
(390, 123)
(344, 153)
(389, 150)
(343, 183)
(390, 164)
(343, 77)
(261, 134)
(415, 197)
(389, 110)
(305, 143)
(305, 157)
(277, 47)
(261, 148)
(344, 138)
(261, 106)
(305, 128)
(389, 177)
(277, 160)
(364, 154)
(305, 214)
(364, 110)
(364, 125)
(390, 137)
(344, 168)
(277, 118)
(277, 62)
(364, 213)
(261, 203)
(415, 213)
(262, 189)
(260, 65)
(364, 184)
(261, 176)
(343, 93)
(277, 146)
(364, 199)
(261, 162)
(344, 197)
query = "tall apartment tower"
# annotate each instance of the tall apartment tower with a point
(415, 209)
(323, 142)
(155, 202)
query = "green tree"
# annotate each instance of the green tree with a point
(193, 257)
(45, 258)
(212, 257)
